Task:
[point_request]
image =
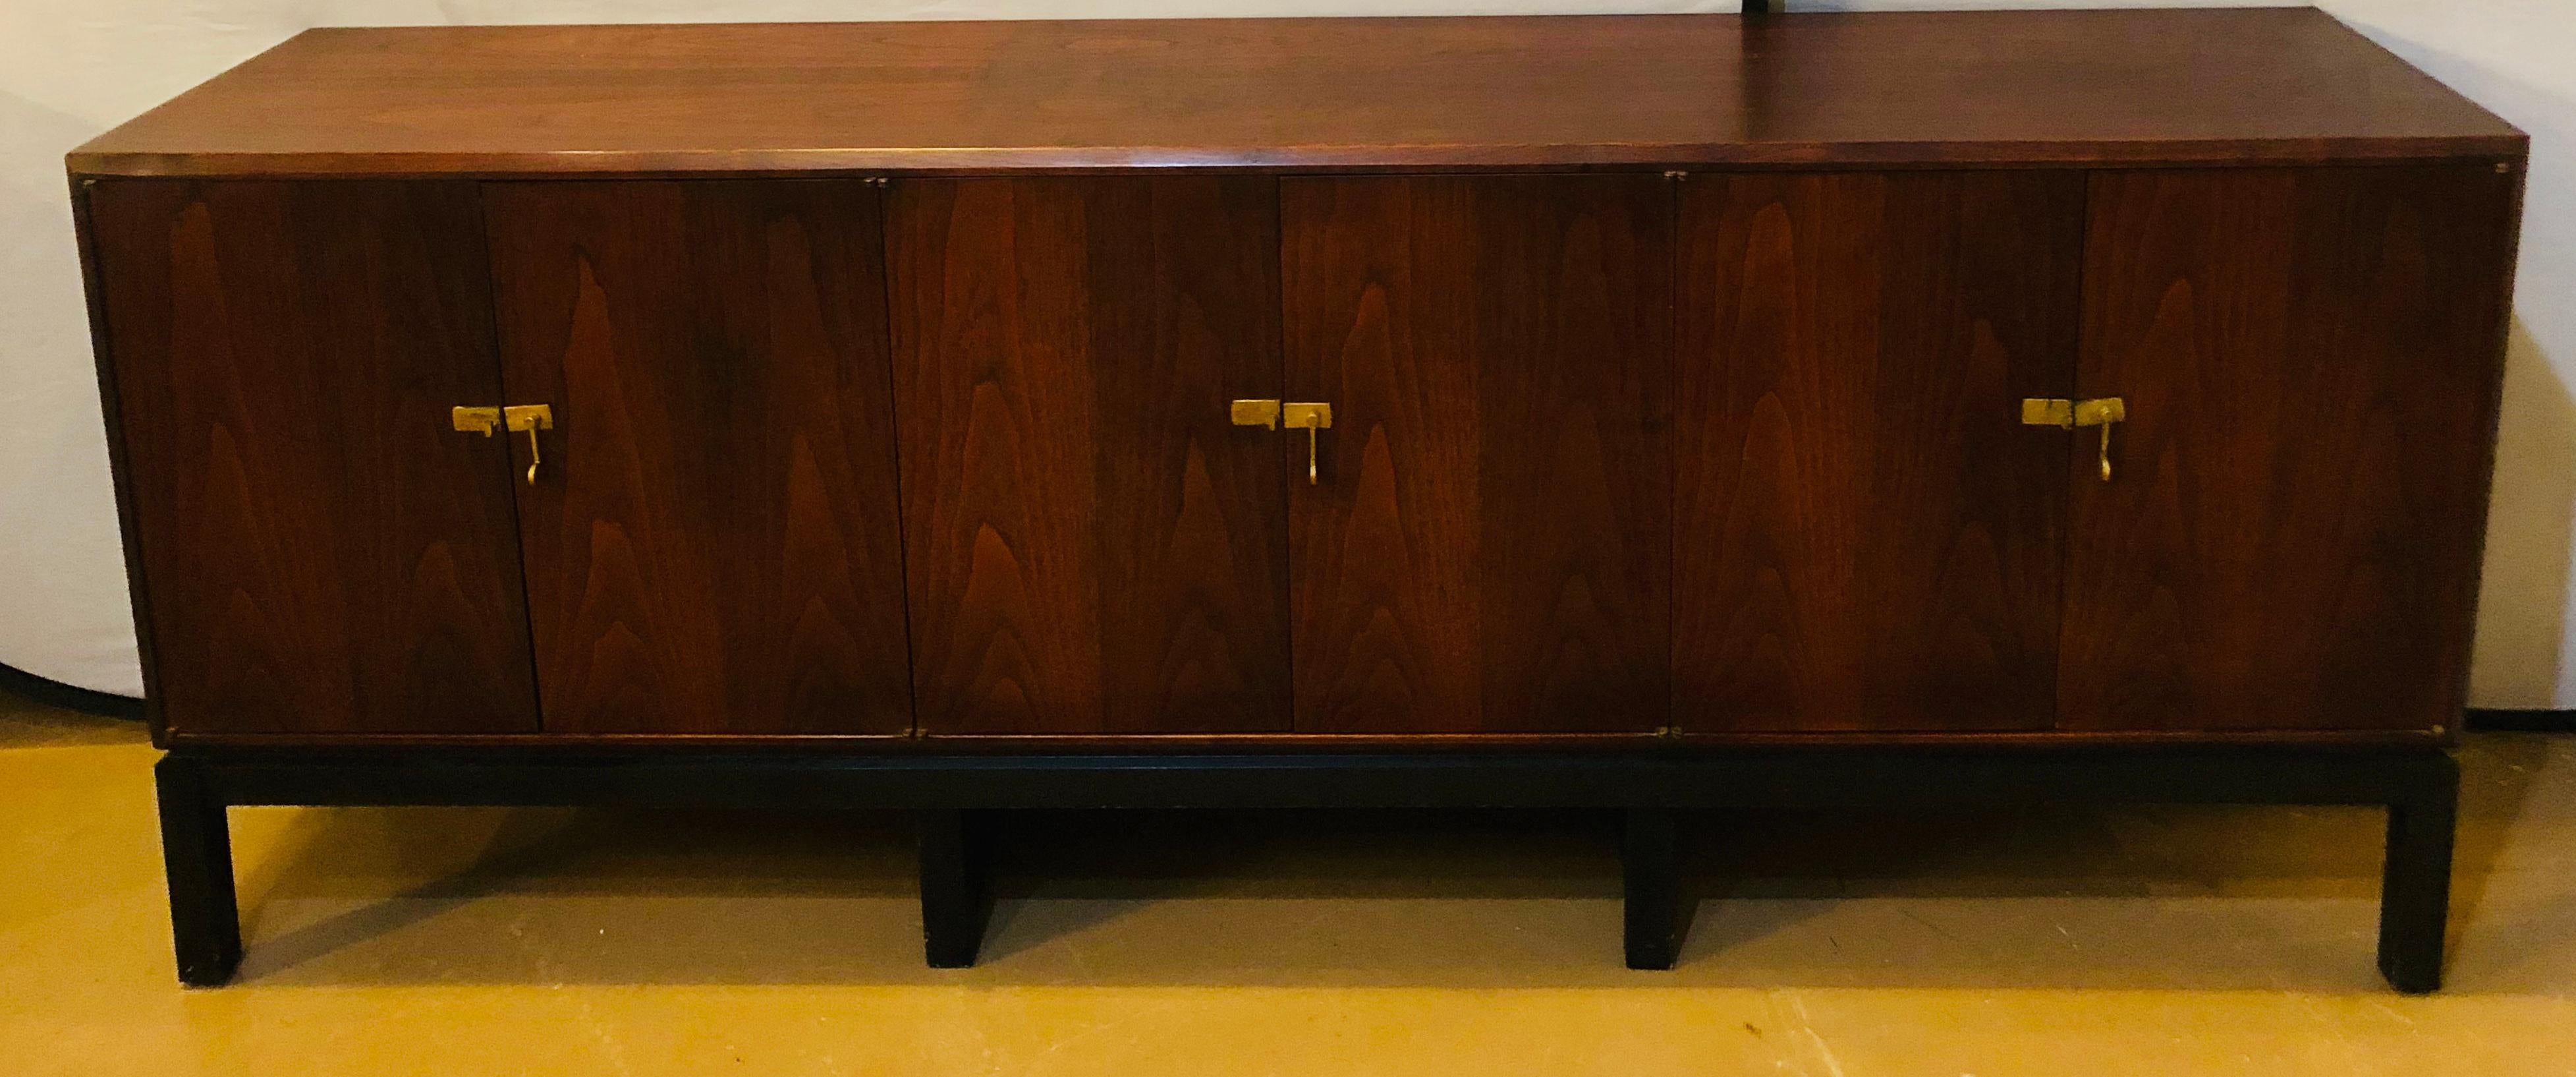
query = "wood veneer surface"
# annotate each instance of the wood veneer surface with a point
(2170, 86)
(710, 542)
(325, 554)
(2309, 361)
(1487, 548)
(1865, 535)
(1091, 545)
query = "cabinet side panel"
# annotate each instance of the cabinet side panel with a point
(711, 536)
(1865, 538)
(327, 554)
(1093, 547)
(1487, 549)
(2309, 359)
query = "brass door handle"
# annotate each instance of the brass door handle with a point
(1261, 413)
(1313, 417)
(530, 418)
(1268, 414)
(2070, 414)
(475, 420)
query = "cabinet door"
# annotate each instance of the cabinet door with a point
(1486, 545)
(1865, 538)
(317, 549)
(710, 533)
(2309, 360)
(1093, 547)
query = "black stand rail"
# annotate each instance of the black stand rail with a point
(949, 795)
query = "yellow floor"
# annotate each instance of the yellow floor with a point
(474, 942)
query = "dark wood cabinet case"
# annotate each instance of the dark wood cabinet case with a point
(1682, 375)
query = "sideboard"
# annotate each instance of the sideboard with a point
(1654, 414)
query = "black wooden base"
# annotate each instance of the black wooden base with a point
(197, 852)
(1657, 912)
(956, 900)
(949, 794)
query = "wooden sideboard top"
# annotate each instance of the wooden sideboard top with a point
(1883, 88)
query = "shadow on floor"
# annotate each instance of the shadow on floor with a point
(2138, 897)
(25, 723)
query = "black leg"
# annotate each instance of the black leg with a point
(197, 852)
(1657, 914)
(2415, 886)
(955, 897)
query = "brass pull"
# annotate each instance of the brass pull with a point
(1313, 417)
(1267, 414)
(1261, 413)
(2070, 414)
(2103, 413)
(530, 418)
(476, 420)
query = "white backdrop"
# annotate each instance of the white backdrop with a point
(72, 68)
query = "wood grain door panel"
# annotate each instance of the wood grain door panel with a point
(1865, 538)
(2310, 360)
(1093, 547)
(711, 541)
(318, 550)
(1488, 547)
